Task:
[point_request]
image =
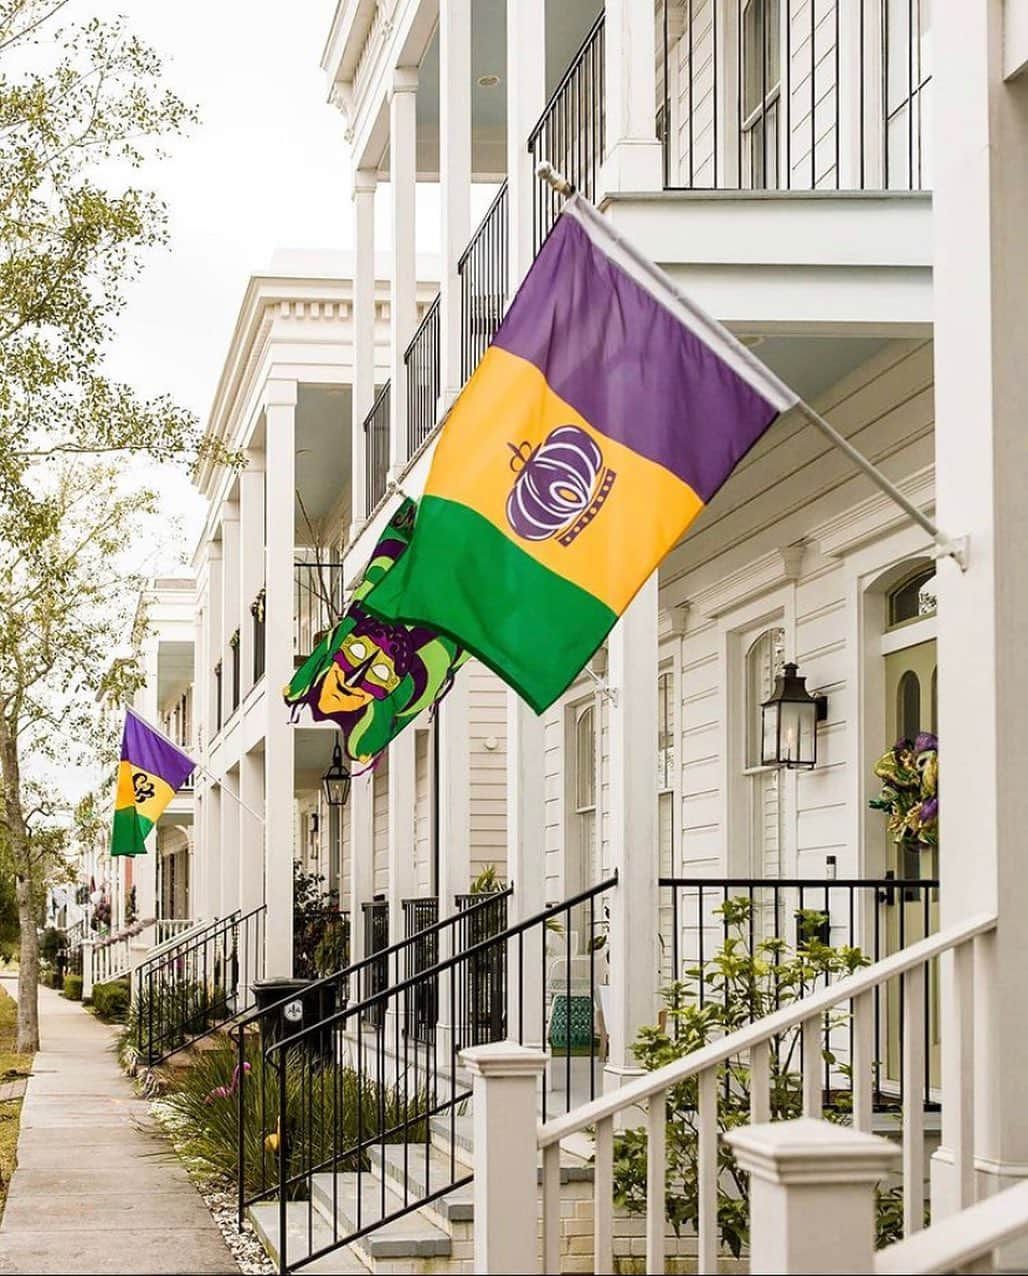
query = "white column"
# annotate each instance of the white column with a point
(251, 555)
(251, 831)
(231, 585)
(634, 160)
(526, 821)
(144, 867)
(403, 300)
(216, 636)
(454, 795)
(280, 417)
(812, 1195)
(364, 183)
(361, 812)
(980, 185)
(526, 97)
(454, 181)
(229, 867)
(632, 821)
(400, 850)
(212, 860)
(506, 1080)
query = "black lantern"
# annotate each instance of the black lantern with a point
(335, 783)
(789, 722)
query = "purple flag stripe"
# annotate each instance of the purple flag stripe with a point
(629, 366)
(147, 749)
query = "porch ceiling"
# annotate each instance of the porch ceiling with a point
(313, 753)
(322, 451)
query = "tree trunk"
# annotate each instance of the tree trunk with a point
(28, 973)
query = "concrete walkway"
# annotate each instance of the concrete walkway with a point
(98, 1188)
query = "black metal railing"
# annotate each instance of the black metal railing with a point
(259, 634)
(421, 360)
(376, 448)
(828, 96)
(317, 603)
(482, 980)
(875, 915)
(326, 1152)
(376, 945)
(570, 131)
(484, 281)
(419, 919)
(321, 942)
(192, 985)
(236, 670)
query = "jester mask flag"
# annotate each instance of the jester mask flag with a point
(151, 771)
(604, 416)
(371, 677)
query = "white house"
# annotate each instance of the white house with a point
(841, 185)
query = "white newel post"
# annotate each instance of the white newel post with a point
(980, 183)
(632, 943)
(400, 847)
(229, 888)
(280, 414)
(454, 857)
(506, 1078)
(88, 946)
(812, 1195)
(634, 159)
(526, 804)
(251, 831)
(364, 183)
(403, 301)
(454, 182)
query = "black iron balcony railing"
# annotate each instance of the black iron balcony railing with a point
(570, 131)
(343, 1098)
(259, 634)
(376, 944)
(317, 603)
(419, 919)
(483, 283)
(218, 689)
(877, 915)
(421, 360)
(764, 95)
(376, 448)
(193, 984)
(321, 942)
(236, 670)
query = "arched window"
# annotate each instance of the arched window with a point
(580, 859)
(764, 660)
(914, 598)
(908, 705)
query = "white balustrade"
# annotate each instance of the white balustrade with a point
(516, 1168)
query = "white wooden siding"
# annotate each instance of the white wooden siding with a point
(423, 812)
(487, 730)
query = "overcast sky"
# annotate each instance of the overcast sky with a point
(267, 168)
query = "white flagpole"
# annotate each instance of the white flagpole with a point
(945, 546)
(196, 765)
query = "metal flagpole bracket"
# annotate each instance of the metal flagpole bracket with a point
(558, 181)
(603, 688)
(957, 549)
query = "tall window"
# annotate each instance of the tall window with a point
(761, 75)
(666, 809)
(908, 74)
(217, 695)
(764, 661)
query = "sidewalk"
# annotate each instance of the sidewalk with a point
(98, 1188)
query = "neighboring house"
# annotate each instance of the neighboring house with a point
(155, 888)
(776, 160)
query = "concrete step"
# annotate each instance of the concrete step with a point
(410, 1237)
(303, 1226)
(423, 1174)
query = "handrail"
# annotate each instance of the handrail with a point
(426, 319)
(184, 937)
(159, 960)
(500, 195)
(814, 883)
(448, 963)
(953, 1243)
(346, 972)
(569, 72)
(718, 1052)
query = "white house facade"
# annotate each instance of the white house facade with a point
(841, 185)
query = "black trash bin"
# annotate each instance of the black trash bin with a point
(301, 1003)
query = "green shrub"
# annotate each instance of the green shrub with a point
(203, 1108)
(164, 1016)
(73, 987)
(111, 1001)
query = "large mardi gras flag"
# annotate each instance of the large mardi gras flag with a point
(150, 773)
(373, 677)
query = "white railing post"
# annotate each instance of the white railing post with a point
(812, 1195)
(506, 1081)
(87, 968)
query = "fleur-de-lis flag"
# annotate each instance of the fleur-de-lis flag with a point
(150, 772)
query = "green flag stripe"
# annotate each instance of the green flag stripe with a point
(535, 629)
(128, 836)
